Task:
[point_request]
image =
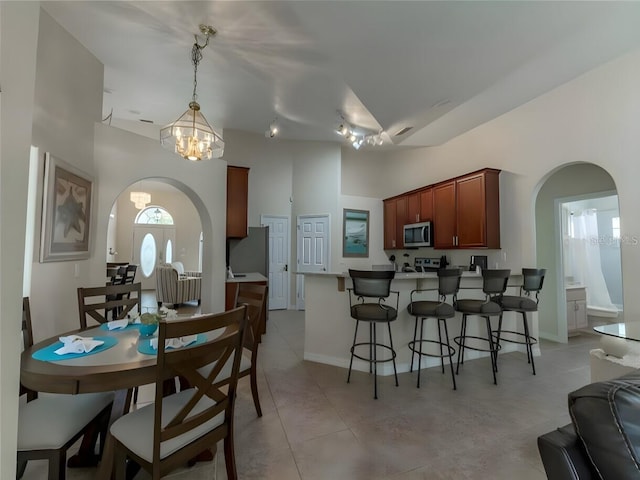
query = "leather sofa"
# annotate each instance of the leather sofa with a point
(603, 439)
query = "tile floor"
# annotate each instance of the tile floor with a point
(316, 426)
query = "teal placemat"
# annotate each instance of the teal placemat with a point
(144, 344)
(131, 326)
(47, 354)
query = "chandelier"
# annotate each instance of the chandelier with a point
(191, 136)
(140, 199)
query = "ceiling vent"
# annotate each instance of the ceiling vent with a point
(403, 131)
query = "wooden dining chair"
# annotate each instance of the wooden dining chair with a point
(96, 302)
(49, 424)
(255, 297)
(166, 434)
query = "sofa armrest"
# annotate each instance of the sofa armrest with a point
(192, 274)
(564, 457)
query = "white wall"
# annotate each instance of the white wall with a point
(124, 158)
(18, 46)
(68, 105)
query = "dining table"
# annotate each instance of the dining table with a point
(118, 368)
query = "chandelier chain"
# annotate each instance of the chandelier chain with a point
(196, 57)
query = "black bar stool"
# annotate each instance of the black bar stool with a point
(533, 278)
(448, 284)
(494, 283)
(372, 285)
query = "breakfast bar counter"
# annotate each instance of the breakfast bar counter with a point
(329, 327)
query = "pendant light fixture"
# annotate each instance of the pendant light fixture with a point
(140, 199)
(191, 136)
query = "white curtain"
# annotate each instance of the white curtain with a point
(583, 258)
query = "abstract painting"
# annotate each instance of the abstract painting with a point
(66, 212)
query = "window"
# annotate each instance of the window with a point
(615, 227)
(168, 256)
(148, 255)
(154, 215)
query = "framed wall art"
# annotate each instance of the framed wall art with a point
(355, 229)
(66, 212)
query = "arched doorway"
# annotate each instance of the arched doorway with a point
(170, 223)
(575, 182)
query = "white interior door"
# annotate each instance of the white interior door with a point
(313, 249)
(151, 244)
(279, 255)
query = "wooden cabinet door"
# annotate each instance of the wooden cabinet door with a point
(389, 224)
(413, 207)
(470, 212)
(444, 215)
(426, 204)
(401, 220)
(237, 201)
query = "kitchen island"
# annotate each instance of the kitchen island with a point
(329, 327)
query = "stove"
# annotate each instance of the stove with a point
(427, 264)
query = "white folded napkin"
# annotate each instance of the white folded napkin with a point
(168, 312)
(174, 342)
(77, 344)
(117, 324)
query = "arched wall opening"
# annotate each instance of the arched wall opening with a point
(569, 181)
(185, 243)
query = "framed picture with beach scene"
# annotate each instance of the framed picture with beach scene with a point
(66, 212)
(355, 229)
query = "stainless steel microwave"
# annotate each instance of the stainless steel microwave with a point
(418, 235)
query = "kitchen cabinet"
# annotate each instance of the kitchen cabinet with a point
(466, 211)
(237, 201)
(395, 218)
(420, 206)
(576, 308)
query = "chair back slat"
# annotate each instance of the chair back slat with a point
(226, 331)
(376, 284)
(95, 302)
(494, 282)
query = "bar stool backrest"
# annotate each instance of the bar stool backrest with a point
(376, 284)
(494, 282)
(533, 279)
(449, 281)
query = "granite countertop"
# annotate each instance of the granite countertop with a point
(247, 277)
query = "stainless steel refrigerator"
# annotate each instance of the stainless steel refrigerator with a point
(250, 254)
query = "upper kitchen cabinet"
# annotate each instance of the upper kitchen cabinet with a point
(466, 211)
(395, 217)
(420, 206)
(237, 201)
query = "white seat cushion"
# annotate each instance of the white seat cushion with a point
(135, 430)
(51, 420)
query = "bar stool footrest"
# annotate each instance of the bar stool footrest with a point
(371, 360)
(460, 341)
(531, 341)
(450, 349)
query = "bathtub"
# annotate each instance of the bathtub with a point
(602, 312)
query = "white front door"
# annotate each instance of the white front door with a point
(151, 244)
(279, 254)
(313, 249)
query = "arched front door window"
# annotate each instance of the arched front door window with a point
(154, 215)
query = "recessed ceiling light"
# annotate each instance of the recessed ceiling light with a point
(403, 131)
